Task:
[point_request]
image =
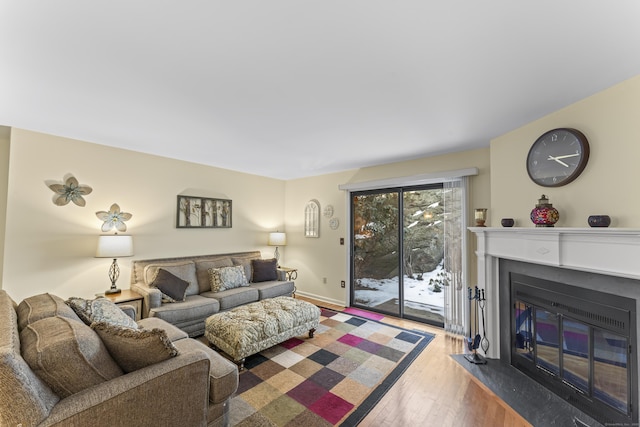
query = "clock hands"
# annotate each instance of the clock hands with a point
(559, 161)
(565, 156)
(557, 158)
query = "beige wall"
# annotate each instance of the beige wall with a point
(5, 134)
(324, 257)
(50, 248)
(610, 122)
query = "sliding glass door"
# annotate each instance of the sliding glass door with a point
(376, 251)
(397, 262)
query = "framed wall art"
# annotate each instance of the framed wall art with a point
(312, 219)
(203, 212)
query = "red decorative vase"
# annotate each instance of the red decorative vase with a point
(544, 214)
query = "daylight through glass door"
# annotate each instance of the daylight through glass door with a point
(398, 252)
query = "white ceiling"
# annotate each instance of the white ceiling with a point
(294, 88)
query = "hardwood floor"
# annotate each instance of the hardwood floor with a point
(436, 391)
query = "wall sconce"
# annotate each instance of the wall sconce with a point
(481, 217)
(277, 239)
(114, 246)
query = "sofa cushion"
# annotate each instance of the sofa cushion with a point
(67, 354)
(194, 307)
(133, 349)
(41, 306)
(227, 278)
(170, 285)
(202, 270)
(272, 289)
(186, 270)
(264, 270)
(234, 297)
(100, 310)
(24, 397)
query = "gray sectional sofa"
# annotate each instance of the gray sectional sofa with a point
(200, 301)
(55, 370)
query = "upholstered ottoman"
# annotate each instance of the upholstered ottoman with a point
(254, 327)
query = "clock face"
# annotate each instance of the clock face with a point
(557, 157)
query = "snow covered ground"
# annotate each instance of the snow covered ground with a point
(417, 293)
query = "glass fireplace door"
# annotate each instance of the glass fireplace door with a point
(575, 348)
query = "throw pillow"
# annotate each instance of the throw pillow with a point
(264, 269)
(186, 270)
(134, 349)
(225, 278)
(203, 266)
(100, 310)
(67, 355)
(42, 306)
(246, 263)
(170, 285)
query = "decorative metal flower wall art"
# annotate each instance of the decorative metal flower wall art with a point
(70, 191)
(114, 218)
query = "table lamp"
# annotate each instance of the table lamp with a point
(114, 246)
(277, 239)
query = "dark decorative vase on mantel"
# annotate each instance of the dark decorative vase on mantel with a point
(599, 220)
(544, 214)
(507, 222)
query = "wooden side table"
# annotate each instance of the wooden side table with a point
(128, 297)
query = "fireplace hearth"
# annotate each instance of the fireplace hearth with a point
(561, 306)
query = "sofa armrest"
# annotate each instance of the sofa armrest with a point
(129, 310)
(223, 374)
(152, 297)
(179, 388)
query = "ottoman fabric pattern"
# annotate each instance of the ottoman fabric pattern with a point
(254, 327)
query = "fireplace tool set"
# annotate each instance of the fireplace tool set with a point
(473, 343)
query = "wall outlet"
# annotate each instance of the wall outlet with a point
(342, 284)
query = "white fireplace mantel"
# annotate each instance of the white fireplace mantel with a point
(611, 251)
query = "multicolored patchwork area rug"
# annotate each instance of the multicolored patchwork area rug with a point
(332, 379)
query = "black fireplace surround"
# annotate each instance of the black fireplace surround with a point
(564, 330)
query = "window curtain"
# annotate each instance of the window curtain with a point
(455, 226)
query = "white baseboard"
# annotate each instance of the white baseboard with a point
(322, 298)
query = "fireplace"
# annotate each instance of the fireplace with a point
(576, 342)
(561, 307)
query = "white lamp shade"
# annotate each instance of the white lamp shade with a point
(114, 246)
(277, 239)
